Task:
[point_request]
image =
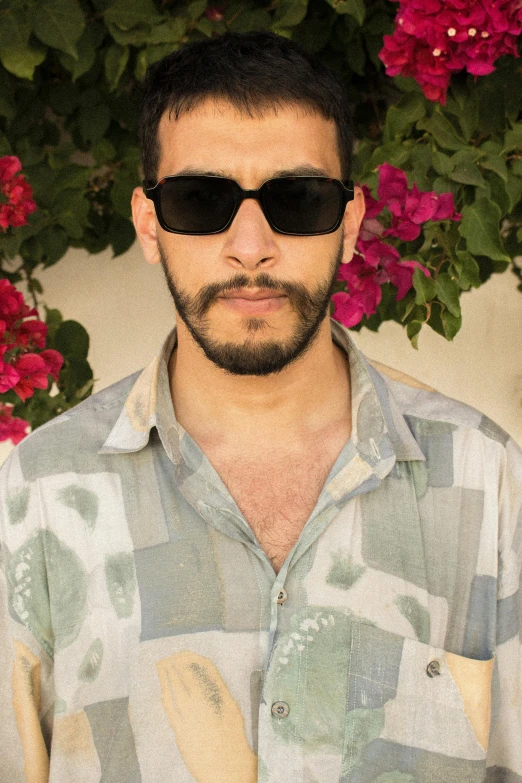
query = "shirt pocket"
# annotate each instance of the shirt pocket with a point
(421, 706)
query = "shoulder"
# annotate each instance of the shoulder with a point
(70, 441)
(429, 410)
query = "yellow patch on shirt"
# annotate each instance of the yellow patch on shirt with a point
(397, 375)
(141, 401)
(26, 684)
(206, 719)
(72, 736)
(473, 679)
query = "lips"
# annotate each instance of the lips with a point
(264, 294)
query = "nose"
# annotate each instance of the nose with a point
(250, 240)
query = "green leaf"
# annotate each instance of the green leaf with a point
(513, 138)
(291, 12)
(413, 330)
(74, 218)
(136, 36)
(424, 287)
(15, 28)
(116, 59)
(467, 173)
(121, 192)
(127, 14)
(448, 293)
(53, 319)
(59, 23)
(63, 98)
(72, 340)
(86, 51)
(54, 242)
(497, 192)
(170, 31)
(451, 324)
(93, 122)
(443, 164)
(204, 26)
(121, 234)
(7, 109)
(356, 54)
(155, 53)
(466, 270)
(104, 151)
(22, 62)
(410, 108)
(355, 8)
(497, 164)
(514, 191)
(442, 131)
(394, 153)
(141, 66)
(480, 226)
(71, 176)
(196, 9)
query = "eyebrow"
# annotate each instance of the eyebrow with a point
(305, 170)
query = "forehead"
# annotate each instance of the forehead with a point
(216, 136)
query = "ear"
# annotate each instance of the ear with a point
(353, 218)
(146, 224)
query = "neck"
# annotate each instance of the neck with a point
(307, 398)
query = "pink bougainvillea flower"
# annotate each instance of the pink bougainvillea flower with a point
(376, 261)
(401, 275)
(13, 428)
(9, 377)
(373, 206)
(364, 292)
(18, 192)
(9, 166)
(432, 40)
(33, 373)
(54, 361)
(410, 207)
(32, 333)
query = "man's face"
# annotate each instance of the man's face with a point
(215, 139)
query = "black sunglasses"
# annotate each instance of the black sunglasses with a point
(202, 204)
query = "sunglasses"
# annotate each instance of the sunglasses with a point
(300, 206)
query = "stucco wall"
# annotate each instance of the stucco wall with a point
(125, 306)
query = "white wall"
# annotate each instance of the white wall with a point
(125, 306)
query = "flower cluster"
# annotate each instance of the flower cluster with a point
(434, 38)
(378, 262)
(21, 368)
(17, 200)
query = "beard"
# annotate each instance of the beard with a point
(253, 357)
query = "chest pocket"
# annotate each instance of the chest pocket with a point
(414, 709)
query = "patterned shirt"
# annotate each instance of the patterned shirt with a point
(144, 635)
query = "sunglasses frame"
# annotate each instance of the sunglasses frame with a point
(153, 192)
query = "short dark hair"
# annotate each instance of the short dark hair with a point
(253, 71)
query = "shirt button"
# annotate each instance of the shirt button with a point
(282, 596)
(433, 669)
(280, 709)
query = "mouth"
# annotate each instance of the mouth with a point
(253, 297)
(261, 302)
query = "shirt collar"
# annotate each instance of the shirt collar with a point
(377, 423)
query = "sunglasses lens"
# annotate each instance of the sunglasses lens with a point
(195, 205)
(303, 205)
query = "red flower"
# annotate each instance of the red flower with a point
(376, 261)
(18, 192)
(11, 428)
(433, 39)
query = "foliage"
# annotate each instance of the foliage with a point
(69, 75)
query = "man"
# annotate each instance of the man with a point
(260, 558)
